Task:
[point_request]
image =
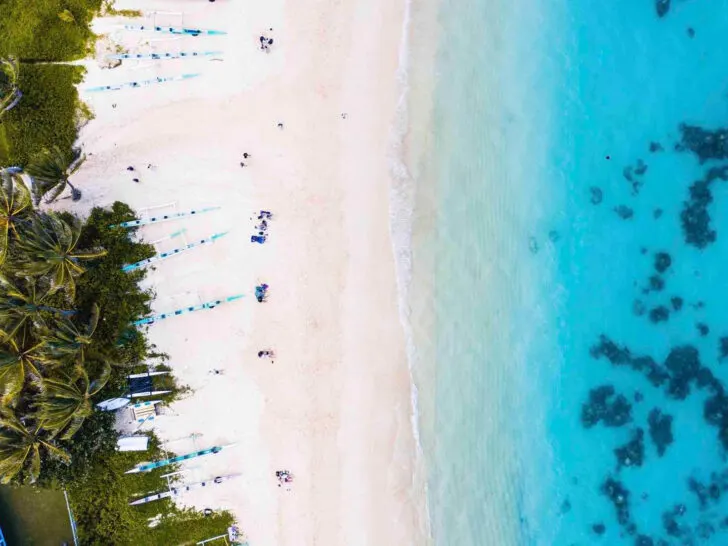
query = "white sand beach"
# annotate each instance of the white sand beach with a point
(333, 407)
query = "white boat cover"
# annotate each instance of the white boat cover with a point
(133, 443)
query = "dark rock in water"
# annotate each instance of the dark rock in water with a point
(670, 523)
(633, 452)
(621, 356)
(715, 412)
(643, 250)
(705, 530)
(554, 236)
(699, 305)
(677, 302)
(656, 147)
(683, 363)
(660, 430)
(703, 329)
(599, 528)
(565, 507)
(533, 245)
(644, 540)
(657, 213)
(662, 261)
(694, 217)
(619, 497)
(704, 143)
(691, 32)
(607, 406)
(657, 283)
(638, 396)
(722, 348)
(659, 314)
(597, 195)
(712, 492)
(706, 380)
(638, 308)
(634, 174)
(662, 7)
(624, 212)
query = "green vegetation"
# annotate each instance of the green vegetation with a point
(48, 113)
(65, 344)
(46, 116)
(46, 30)
(66, 307)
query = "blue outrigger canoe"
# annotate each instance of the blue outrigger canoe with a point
(141, 83)
(176, 30)
(207, 305)
(164, 56)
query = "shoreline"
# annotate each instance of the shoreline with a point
(334, 407)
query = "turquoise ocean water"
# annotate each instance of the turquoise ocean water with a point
(569, 289)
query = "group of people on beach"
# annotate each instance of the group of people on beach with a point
(261, 229)
(265, 42)
(284, 478)
(261, 292)
(131, 169)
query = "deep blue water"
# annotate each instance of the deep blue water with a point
(561, 177)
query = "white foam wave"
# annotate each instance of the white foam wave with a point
(402, 194)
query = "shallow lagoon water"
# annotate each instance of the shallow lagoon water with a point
(556, 181)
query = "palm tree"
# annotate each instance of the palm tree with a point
(66, 400)
(51, 170)
(20, 447)
(49, 249)
(20, 359)
(15, 206)
(22, 304)
(9, 93)
(67, 340)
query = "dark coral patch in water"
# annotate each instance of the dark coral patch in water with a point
(683, 363)
(660, 430)
(633, 452)
(622, 356)
(657, 213)
(723, 348)
(605, 405)
(618, 495)
(704, 143)
(709, 493)
(663, 261)
(703, 329)
(599, 528)
(677, 302)
(597, 195)
(659, 314)
(695, 219)
(662, 7)
(655, 147)
(624, 212)
(634, 174)
(670, 523)
(656, 283)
